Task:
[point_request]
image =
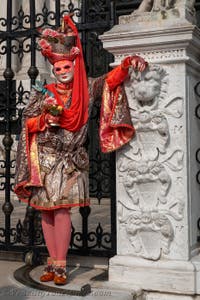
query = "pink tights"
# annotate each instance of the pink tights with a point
(56, 225)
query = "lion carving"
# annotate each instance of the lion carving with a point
(147, 91)
(150, 87)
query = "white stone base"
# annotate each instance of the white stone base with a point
(159, 296)
(196, 262)
(178, 277)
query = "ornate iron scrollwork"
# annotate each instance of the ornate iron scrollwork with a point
(197, 155)
(197, 114)
(18, 36)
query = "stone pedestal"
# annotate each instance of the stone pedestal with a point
(157, 194)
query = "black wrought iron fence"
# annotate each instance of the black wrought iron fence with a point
(197, 114)
(18, 37)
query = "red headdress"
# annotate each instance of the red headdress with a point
(65, 44)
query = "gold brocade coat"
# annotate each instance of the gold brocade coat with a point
(63, 162)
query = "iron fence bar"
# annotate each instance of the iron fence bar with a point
(15, 34)
(197, 154)
(84, 211)
(83, 21)
(57, 13)
(7, 140)
(113, 20)
(33, 71)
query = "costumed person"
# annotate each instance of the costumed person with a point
(52, 164)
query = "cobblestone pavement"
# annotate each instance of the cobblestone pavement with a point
(10, 289)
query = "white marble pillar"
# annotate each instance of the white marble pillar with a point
(157, 194)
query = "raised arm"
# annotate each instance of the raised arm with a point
(116, 128)
(116, 76)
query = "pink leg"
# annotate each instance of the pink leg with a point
(48, 231)
(62, 223)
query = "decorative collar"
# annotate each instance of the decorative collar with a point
(64, 88)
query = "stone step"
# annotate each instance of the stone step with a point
(84, 283)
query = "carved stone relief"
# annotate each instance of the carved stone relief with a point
(146, 182)
(149, 110)
(157, 10)
(146, 166)
(160, 55)
(148, 233)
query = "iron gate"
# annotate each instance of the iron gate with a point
(18, 37)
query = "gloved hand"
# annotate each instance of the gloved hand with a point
(137, 62)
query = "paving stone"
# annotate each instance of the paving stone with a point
(10, 289)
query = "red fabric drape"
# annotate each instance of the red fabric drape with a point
(76, 115)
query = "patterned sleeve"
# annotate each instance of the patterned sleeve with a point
(96, 87)
(34, 107)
